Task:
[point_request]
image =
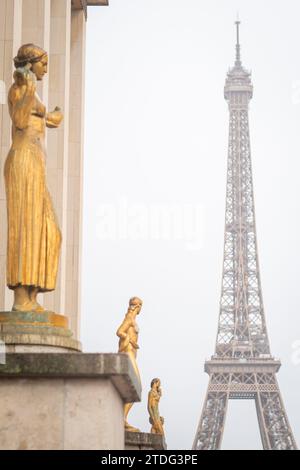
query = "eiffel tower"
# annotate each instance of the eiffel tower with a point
(242, 366)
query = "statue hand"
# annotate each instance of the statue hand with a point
(54, 118)
(56, 112)
(26, 80)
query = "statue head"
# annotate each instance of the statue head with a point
(155, 382)
(135, 303)
(34, 58)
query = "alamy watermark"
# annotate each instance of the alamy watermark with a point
(160, 222)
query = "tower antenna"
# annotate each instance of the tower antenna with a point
(238, 47)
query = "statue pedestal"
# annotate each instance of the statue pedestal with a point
(144, 441)
(65, 401)
(36, 332)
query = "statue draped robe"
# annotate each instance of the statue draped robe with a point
(34, 237)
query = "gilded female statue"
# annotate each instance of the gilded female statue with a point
(34, 237)
(128, 343)
(155, 419)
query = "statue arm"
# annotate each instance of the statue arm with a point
(21, 100)
(122, 331)
(151, 405)
(151, 411)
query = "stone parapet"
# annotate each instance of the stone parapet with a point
(144, 441)
(63, 401)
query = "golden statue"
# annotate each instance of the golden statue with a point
(34, 237)
(128, 343)
(155, 419)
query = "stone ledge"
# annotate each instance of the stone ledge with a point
(116, 367)
(83, 4)
(144, 441)
(92, 3)
(39, 340)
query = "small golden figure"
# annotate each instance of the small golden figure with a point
(155, 419)
(34, 237)
(128, 343)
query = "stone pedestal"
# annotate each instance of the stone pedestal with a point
(36, 332)
(144, 441)
(65, 401)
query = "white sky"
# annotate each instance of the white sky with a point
(156, 136)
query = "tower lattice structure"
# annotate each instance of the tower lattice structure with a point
(242, 366)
